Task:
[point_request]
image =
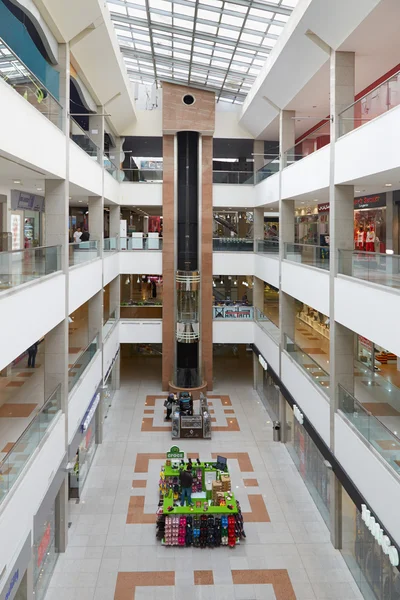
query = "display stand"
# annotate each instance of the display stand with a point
(214, 518)
(197, 425)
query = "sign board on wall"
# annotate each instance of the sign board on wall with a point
(373, 201)
(24, 201)
(16, 231)
(380, 536)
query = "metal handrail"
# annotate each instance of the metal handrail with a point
(31, 249)
(368, 93)
(83, 351)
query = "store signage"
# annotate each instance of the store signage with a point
(13, 582)
(263, 362)
(175, 453)
(323, 208)
(26, 201)
(298, 414)
(366, 343)
(44, 544)
(380, 536)
(90, 412)
(374, 201)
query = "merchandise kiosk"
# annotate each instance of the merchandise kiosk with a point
(193, 422)
(214, 517)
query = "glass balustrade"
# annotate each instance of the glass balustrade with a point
(233, 311)
(383, 269)
(380, 437)
(109, 324)
(316, 140)
(15, 461)
(111, 166)
(233, 177)
(233, 244)
(110, 244)
(81, 363)
(140, 241)
(270, 168)
(83, 252)
(373, 104)
(16, 74)
(308, 364)
(313, 256)
(267, 246)
(142, 175)
(20, 266)
(267, 325)
(84, 141)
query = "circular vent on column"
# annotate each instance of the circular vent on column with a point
(188, 99)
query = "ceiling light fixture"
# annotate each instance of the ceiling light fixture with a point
(39, 189)
(138, 280)
(357, 191)
(17, 181)
(127, 282)
(388, 184)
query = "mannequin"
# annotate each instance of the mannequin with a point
(370, 239)
(360, 238)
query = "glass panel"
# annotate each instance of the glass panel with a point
(143, 175)
(375, 103)
(139, 241)
(82, 363)
(316, 140)
(233, 177)
(267, 246)
(109, 324)
(233, 244)
(267, 325)
(84, 141)
(13, 464)
(315, 256)
(308, 364)
(383, 269)
(20, 266)
(110, 244)
(270, 168)
(17, 75)
(381, 438)
(234, 311)
(83, 252)
(111, 166)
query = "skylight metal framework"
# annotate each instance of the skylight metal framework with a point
(218, 45)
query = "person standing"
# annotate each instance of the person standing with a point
(168, 405)
(186, 481)
(32, 351)
(85, 236)
(77, 235)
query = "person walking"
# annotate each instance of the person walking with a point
(186, 481)
(32, 351)
(168, 405)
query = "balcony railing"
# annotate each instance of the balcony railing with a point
(380, 437)
(14, 72)
(270, 168)
(82, 362)
(233, 244)
(144, 310)
(314, 256)
(84, 141)
(109, 324)
(20, 266)
(233, 177)
(267, 246)
(375, 103)
(314, 141)
(383, 269)
(267, 325)
(140, 242)
(308, 364)
(111, 166)
(142, 175)
(233, 312)
(83, 252)
(15, 461)
(110, 244)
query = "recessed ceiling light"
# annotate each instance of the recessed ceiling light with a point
(302, 202)
(39, 189)
(388, 184)
(315, 199)
(80, 200)
(17, 181)
(357, 191)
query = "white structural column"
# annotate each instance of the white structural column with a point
(115, 301)
(96, 220)
(115, 218)
(341, 217)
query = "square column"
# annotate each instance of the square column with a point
(115, 218)
(96, 220)
(287, 135)
(258, 225)
(96, 132)
(95, 325)
(115, 296)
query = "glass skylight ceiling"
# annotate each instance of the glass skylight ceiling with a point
(213, 44)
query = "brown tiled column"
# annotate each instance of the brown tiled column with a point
(168, 261)
(206, 261)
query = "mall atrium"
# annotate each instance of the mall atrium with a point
(199, 300)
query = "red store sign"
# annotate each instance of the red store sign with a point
(376, 201)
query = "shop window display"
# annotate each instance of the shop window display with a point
(45, 555)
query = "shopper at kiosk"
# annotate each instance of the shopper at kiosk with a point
(168, 405)
(186, 481)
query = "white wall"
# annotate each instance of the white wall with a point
(267, 268)
(233, 332)
(110, 348)
(84, 171)
(268, 347)
(34, 309)
(136, 261)
(309, 399)
(227, 124)
(369, 149)
(307, 284)
(233, 263)
(110, 266)
(84, 282)
(370, 310)
(267, 191)
(140, 194)
(82, 393)
(377, 484)
(307, 175)
(29, 137)
(148, 123)
(16, 516)
(140, 331)
(111, 188)
(236, 196)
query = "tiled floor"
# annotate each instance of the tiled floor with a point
(112, 552)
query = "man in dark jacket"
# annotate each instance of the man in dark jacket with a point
(85, 236)
(186, 481)
(32, 351)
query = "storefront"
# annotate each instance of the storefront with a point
(267, 390)
(375, 571)
(27, 220)
(377, 358)
(16, 585)
(111, 384)
(313, 318)
(83, 448)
